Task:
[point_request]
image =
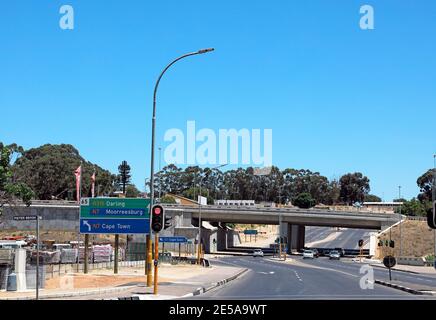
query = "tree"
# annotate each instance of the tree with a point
(372, 198)
(242, 184)
(168, 199)
(425, 184)
(304, 200)
(132, 191)
(124, 176)
(49, 171)
(354, 187)
(10, 188)
(333, 192)
(414, 207)
(193, 193)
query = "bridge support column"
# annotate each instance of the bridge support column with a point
(296, 235)
(222, 239)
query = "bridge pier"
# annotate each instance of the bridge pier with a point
(296, 235)
(222, 239)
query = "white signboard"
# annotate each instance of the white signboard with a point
(202, 200)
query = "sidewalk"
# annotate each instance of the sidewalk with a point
(402, 267)
(175, 281)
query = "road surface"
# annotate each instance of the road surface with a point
(314, 279)
(345, 238)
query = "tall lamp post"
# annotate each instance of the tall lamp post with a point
(160, 173)
(401, 218)
(153, 128)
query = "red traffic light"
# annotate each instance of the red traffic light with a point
(157, 218)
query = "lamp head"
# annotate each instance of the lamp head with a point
(205, 50)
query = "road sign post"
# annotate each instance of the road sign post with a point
(360, 243)
(117, 245)
(85, 266)
(389, 262)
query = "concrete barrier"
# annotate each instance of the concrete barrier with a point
(411, 261)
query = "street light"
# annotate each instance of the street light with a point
(401, 218)
(160, 174)
(153, 129)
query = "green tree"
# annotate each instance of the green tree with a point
(425, 183)
(124, 176)
(168, 199)
(132, 191)
(372, 198)
(304, 200)
(10, 188)
(414, 207)
(49, 171)
(193, 193)
(354, 187)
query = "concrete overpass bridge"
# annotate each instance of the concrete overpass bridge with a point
(292, 221)
(64, 216)
(306, 217)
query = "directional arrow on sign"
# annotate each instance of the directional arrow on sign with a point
(85, 222)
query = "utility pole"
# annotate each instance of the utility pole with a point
(280, 235)
(160, 173)
(401, 218)
(37, 257)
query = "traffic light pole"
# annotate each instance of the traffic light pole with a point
(148, 259)
(156, 261)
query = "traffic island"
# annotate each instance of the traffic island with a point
(408, 287)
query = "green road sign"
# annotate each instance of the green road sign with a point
(248, 231)
(115, 208)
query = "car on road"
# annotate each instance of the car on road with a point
(316, 253)
(258, 253)
(334, 255)
(341, 251)
(325, 252)
(308, 254)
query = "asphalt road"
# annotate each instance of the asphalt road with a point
(345, 265)
(314, 279)
(346, 238)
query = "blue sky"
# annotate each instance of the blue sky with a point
(338, 99)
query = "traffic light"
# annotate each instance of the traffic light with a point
(168, 222)
(157, 218)
(387, 243)
(431, 217)
(380, 243)
(360, 243)
(392, 244)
